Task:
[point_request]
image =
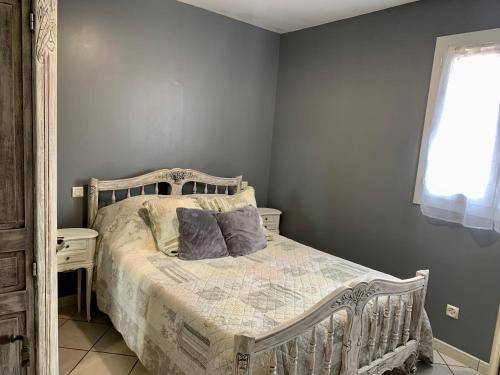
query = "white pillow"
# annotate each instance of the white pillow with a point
(225, 203)
(164, 223)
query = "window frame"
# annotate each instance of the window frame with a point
(443, 43)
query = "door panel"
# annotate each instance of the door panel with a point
(10, 361)
(16, 185)
(11, 116)
(12, 267)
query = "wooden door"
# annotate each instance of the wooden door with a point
(16, 190)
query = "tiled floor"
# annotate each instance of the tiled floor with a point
(96, 348)
(444, 365)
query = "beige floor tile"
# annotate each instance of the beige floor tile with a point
(112, 342)
(425, 369)
(68, 359)
(80, 335)
(61, 321)
(438, 359)
(451, 362)
(95, 316)
(139, 369)
(80, 316)
(66, 312)
(459, 370)
(95, 363)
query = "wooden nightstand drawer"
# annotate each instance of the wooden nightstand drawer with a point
(65, 257)
(74, 245)
(271, 226)
(271, 220)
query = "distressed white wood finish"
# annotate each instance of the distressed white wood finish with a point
(406, 326)
(270, 218)
(327, 361)
(384, 336)
(175, 177)
(353, 300)
(293, 357)
(274, 363)
(44, 68)
(395, 326)
(311, 353)
(373, 329)
(76, 252)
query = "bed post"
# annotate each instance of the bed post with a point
(352, 339)
(93, 201)
(416, 320)
(243, 354)
(419, 299)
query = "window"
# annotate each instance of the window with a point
(458, 176)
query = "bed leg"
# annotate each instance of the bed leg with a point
(243, 354)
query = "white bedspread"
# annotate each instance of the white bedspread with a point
(180, 317)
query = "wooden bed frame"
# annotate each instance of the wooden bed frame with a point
(176, 178)
(389, 345)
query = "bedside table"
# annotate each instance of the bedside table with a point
(75, 250)
(270, 218)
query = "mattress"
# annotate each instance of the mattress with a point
(180, 317)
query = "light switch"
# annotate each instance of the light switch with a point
(77, 191)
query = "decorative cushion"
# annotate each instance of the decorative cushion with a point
(224, 203)
(164, 223)
(199, 235)
(242, 230)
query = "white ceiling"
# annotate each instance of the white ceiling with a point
(289, 15)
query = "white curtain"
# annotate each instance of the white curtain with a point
(462, 181)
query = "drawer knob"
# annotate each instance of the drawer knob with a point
(67, 258)
(67, 246)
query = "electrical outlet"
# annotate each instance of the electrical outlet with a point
(452, 311)
(77, 191)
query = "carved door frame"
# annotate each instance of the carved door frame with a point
(44, 69)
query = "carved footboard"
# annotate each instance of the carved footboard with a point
(392, 339)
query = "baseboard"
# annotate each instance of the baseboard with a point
(461, 356)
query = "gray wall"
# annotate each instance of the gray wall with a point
(154, 84)
(350, 110)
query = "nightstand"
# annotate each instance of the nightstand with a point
(75, 250)
(270, 218)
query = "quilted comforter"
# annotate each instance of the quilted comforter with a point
(180, 317)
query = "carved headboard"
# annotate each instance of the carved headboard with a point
(176, 181)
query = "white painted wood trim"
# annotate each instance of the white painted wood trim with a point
(44, 54)
(459, 355)
(494, 367)
(442, 45)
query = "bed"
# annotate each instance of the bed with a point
(287, 309)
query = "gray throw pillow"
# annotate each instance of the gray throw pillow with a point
(242, 231)
(199, 235)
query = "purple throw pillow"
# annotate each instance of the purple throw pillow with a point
(199, 235)
(242, 231)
